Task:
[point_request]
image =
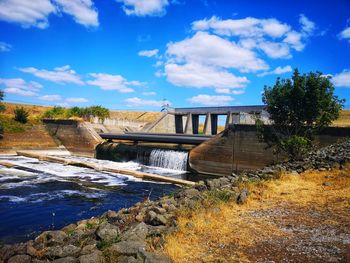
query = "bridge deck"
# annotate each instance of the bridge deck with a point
(157, 137)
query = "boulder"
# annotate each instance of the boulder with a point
(108, 232)
(20, 259)
(52, 238)
(94, 257)
(136, 233)
(127, 248)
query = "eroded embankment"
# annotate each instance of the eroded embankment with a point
(282, 212)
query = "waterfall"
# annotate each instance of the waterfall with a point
(170, 159)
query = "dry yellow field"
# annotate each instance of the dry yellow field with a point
(292, 219)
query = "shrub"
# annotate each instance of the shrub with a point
(21, 115)
(56, 112)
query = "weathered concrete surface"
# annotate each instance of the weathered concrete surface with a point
(78, 137)
(238, 148)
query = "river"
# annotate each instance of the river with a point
(37, 195)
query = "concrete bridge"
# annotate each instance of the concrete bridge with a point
(187, 119)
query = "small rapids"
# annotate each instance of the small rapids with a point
(169, 159)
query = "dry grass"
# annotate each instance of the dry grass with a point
(229, 232)
(344, 119)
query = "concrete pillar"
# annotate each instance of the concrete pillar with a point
(188, 126)
(207, 125)
(229, 119)
(195, 123)
(214, 124)
(235, 118)
(179, 128)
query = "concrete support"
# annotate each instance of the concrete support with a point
(188, 126)
(179, 128)
(214, 124)
(195, 123)
(229, 120)
(207, 125)
(235, 118)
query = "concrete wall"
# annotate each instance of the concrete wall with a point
(119, 125)
(78, 137)
(238, 148)
(165, 124)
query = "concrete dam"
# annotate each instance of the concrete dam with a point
(227, 143)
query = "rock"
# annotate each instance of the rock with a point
(65, 260)
(70, 251)
(189, 193)
(136, 233)
(54, 252)
(69, 229)
(51, 238)
(88, 249)
(126, 259)
(31, 250)
(20, 259)
(154, 219)
(243, 196)
(95, 257)
(127, 248)
(154, 258)
(8, 251)
(107, 232)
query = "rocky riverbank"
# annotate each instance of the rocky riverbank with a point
(135, 234)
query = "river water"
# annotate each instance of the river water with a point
(36, 195)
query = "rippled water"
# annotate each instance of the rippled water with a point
(38, 195)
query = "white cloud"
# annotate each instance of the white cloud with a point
(246, 27)
(144, 7)
(238, 92)
(149, 93)
(278, 71)
(266, 34)
(345, 34)
(137, 102)
(5, 47)
(26, 12)
(307, 26)
(83, 11)
(76, 100)
(60, 75)
(50, 97)
(210, 100)
(21, 87)
(148, 53)
(342, 79)
(200, 76)
(113, 82)
(275, 50)
(35, 13)
(204, 48)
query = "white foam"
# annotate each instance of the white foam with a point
(12, 198)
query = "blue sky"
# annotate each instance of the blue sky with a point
(136, 54)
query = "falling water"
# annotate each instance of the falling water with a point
(175, 160)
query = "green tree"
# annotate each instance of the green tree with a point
(299, 107)
(21, 115)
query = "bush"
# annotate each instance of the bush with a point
(21, 115)
(56, 112)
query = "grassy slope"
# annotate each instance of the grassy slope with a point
(287, 219)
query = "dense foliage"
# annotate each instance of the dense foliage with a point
(21, 115)
(299, 107)
(85, 113)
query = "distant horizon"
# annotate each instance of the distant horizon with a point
(131, 55)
